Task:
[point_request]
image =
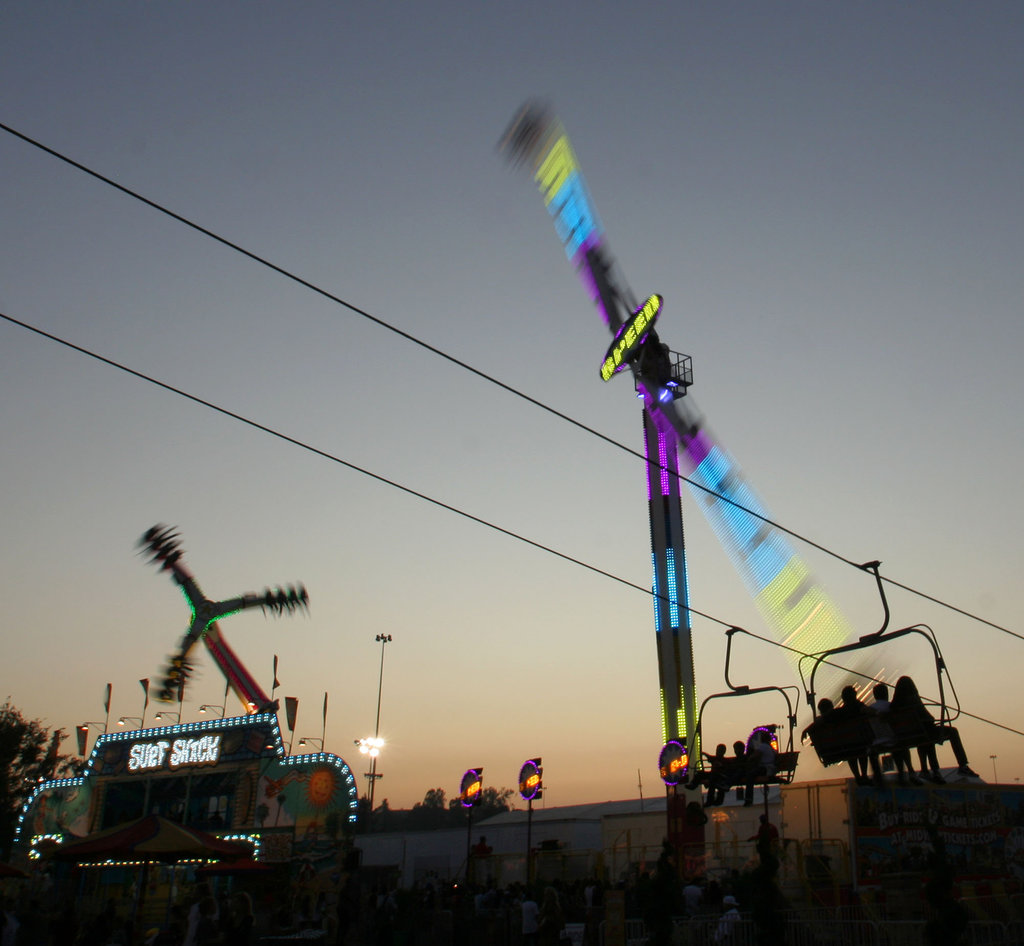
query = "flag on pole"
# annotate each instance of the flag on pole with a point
(291, 710)
(277, 682)
(51, 754)
(144, 683)
(106, 702)
(325, 710)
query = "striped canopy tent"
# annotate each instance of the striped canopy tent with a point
(150, 838)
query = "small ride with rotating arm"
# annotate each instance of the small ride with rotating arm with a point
(163, 546)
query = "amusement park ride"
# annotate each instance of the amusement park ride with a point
(164, 548)
(680, 445)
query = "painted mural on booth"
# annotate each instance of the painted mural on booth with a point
(982, 829)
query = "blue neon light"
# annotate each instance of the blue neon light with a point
(760, 555)
(673, 600)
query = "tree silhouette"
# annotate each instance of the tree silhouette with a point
(29, 754)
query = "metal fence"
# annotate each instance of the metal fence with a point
(825, 930)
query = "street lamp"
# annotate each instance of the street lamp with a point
(995, 778)
(305, 739)
(212, 706)
(130, 719)
(82, 729)
(163, 714)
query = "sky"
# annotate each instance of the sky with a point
(828, 197)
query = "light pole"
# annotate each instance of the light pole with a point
(124, 720)
(372, 746)
(165, 713)
(212, 706)
(305, 739)
(995, 777)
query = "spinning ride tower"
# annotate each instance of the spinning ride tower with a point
(800, 614)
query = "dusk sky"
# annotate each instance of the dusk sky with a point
(827, 195)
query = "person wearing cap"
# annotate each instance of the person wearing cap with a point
(726, 931)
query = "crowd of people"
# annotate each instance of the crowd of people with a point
(202, 921)
(881, 715)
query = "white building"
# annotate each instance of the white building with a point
(571, 842)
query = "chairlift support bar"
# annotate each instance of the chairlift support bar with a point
(693, 749)
(873, 640)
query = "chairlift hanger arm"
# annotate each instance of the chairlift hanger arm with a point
(873, 640)
(873, 567)
(743, 690)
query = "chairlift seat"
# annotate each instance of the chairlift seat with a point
(785, 770)
(911, 730)
(841, 740)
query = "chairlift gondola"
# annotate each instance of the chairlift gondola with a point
(853, 737)
(785, 756)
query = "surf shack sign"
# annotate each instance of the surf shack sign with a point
(174, 754)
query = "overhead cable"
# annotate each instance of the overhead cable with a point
(376, 320)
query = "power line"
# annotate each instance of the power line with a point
(376, 320)
(234, 415)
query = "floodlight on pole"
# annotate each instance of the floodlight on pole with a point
(372, 746)
(82, 731)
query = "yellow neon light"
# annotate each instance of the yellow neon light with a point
(809, 622)
(634, 329)
(556, 167)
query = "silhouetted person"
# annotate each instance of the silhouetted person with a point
(885, 737)
(720, 778)
(208, 930)
(238, 931)
(906, 697)
(852, 708)
(551, 921)
(947, 922)
(725, 932)
(761, 760)
(767, 835)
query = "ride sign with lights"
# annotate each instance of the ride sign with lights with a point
(767, 733)
(471, 788)
(673, 763)
(530, 779)
(630, 336)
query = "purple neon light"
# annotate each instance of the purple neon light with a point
(471, 777)
(663, 447)
(773, 736)
(673, 748)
